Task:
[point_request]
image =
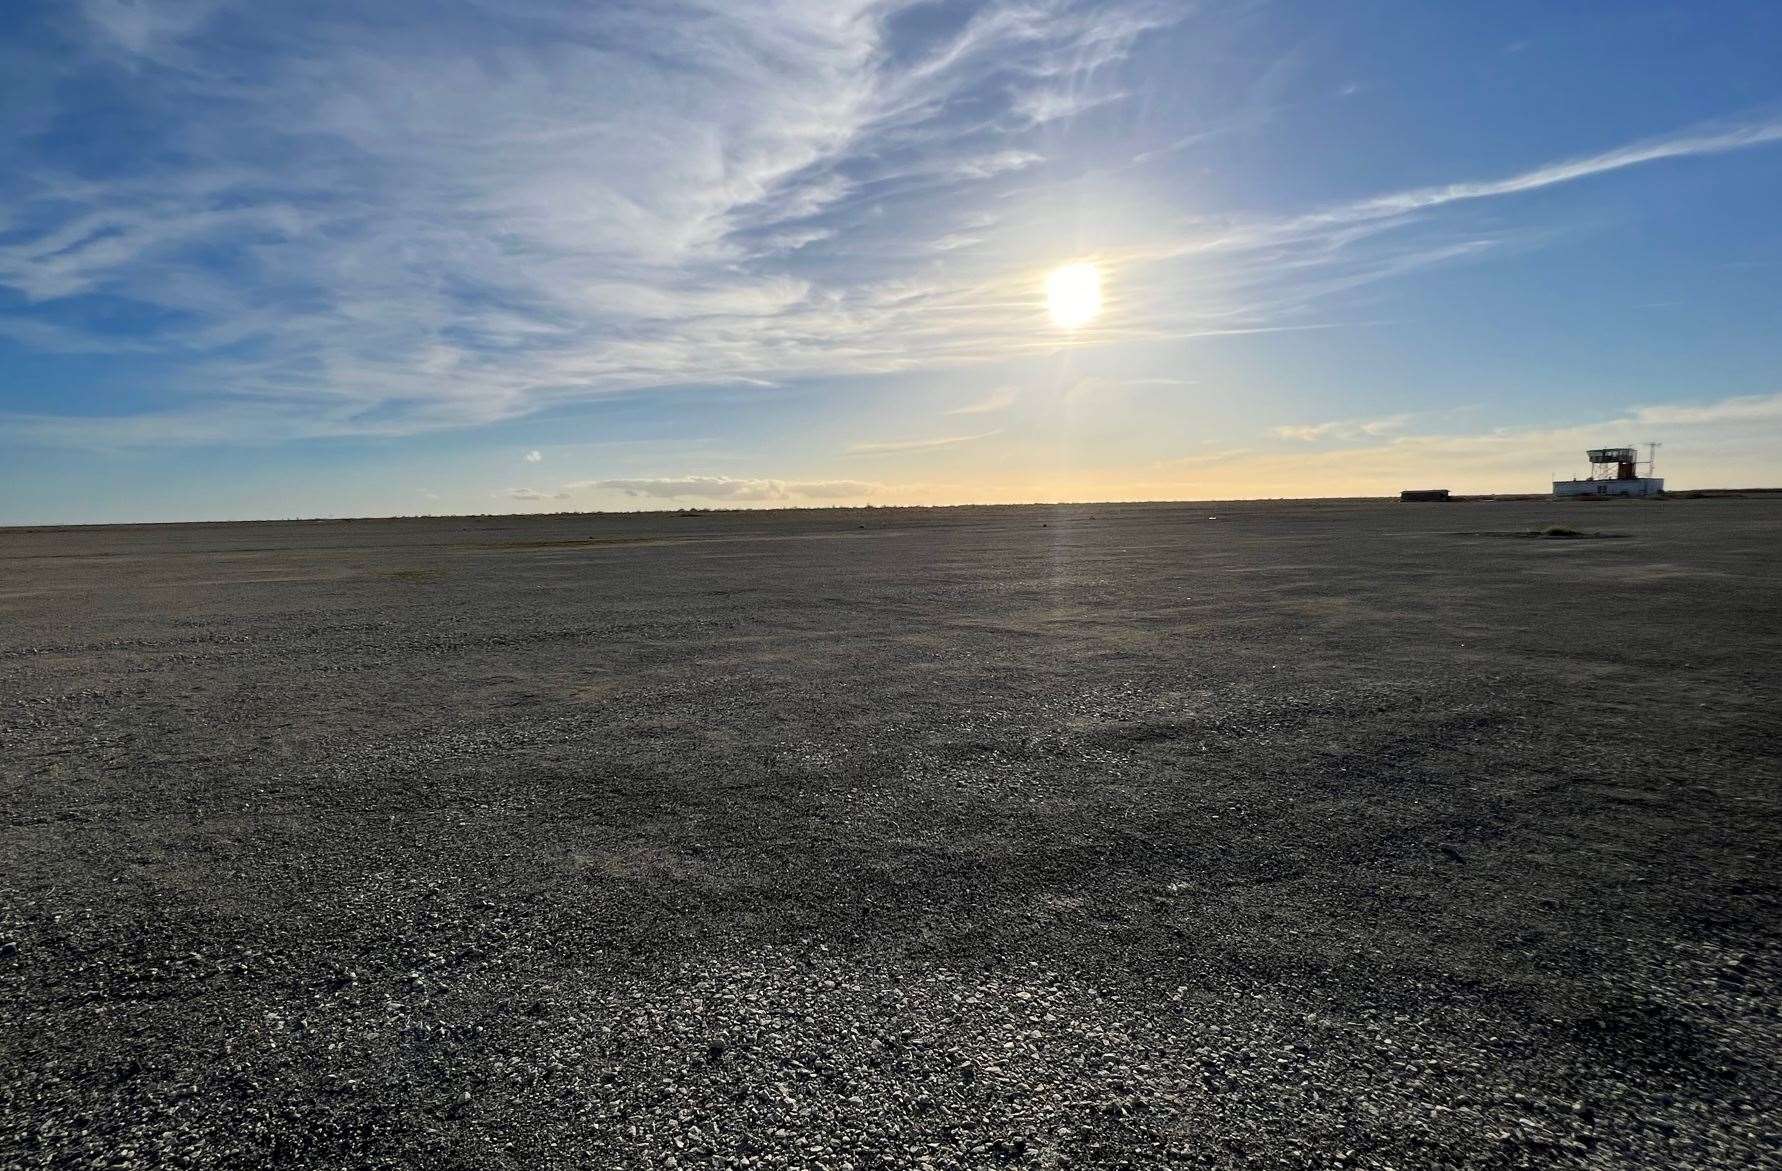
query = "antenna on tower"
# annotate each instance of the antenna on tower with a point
(1652, 458)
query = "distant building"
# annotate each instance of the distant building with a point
(1614, 471)
(1424, 494)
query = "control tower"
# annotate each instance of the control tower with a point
(1614, 471)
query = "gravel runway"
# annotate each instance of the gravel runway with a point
(1263, 835)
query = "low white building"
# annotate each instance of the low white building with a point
(1638, 486)
(1614, 471)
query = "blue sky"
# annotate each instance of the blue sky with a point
(278, 259)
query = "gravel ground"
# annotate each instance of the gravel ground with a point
(1317, 834)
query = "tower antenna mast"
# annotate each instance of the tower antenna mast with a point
(1652, 458)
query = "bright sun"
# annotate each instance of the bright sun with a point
(1073, 295)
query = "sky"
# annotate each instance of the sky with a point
(275, 259)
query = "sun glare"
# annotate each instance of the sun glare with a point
(1073, 295)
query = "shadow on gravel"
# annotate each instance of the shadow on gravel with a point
(1550, 533)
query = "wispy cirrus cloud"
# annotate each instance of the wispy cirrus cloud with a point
(907, 445)
(1346, 224)
(508, 211)
(1270, 270)
(1749, 408)
(1343, 428)
(728, 488)
(1706, 141)
(1000, 399)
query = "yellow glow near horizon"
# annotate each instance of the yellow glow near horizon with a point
(1073, 295)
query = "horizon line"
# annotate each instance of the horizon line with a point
(1462, 498)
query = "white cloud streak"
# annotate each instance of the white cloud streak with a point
(1742, 409)
(1569, 171)
(729, 488)
(908, 445)
(1344, 429)
(1267, 271)
(1000, 399)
